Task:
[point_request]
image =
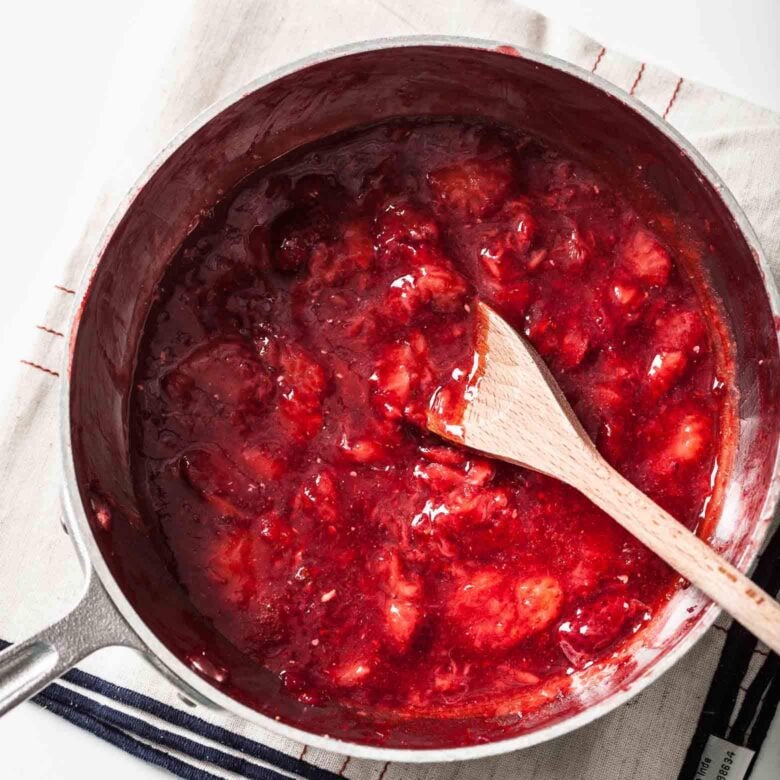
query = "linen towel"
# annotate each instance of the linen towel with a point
(116, 694)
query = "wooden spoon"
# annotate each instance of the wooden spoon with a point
(514, 410)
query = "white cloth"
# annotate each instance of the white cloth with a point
(226, 45)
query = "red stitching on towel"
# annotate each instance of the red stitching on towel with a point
(637, 79)
(599, 56)
(64, 289)
(303, 752)
(673, 97)
(762, 653)
(40, 368)
(384, 769)
(345, 764)
(49, 330)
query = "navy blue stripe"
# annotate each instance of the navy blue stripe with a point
(195, 725)
(754, 695)
(162, 738)
(736, 654)
(765, 716)
(198, 726)
(123, 741)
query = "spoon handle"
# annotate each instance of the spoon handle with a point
(685, 552)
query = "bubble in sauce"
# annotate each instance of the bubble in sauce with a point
(207, 667)
(102, 512)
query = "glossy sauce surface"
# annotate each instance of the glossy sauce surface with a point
(281, 394)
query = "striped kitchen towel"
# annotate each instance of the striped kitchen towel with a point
(705, 718)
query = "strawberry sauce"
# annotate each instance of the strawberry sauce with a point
(278, 417)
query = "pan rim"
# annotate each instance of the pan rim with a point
(76, 517)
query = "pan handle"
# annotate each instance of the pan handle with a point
(29, 666)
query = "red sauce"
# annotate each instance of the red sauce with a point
(281, 392)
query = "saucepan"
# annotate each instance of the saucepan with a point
(131, 597)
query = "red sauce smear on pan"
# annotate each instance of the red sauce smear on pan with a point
(281, 395)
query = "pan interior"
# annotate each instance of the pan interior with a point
(300, 108)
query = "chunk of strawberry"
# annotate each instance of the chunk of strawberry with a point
(573, 347)
(237, 564)
(479, 518)
(450, 469)
(485, 611)
(582, 578)
(451, 677)
(571, 250)
(496, 611)
(362, 450)
(419, 344)
(441, 287)
(222, 371)
(403, 299)
(627, 295)
(356, 245)
(497, 259)
(267, 350)
(595, 624)
(445, 408)
(439, 475)
(388, 433)
(541, 328)
(327, 267)
(403, 594)
(302, 385)
(352, 673)
(294, 236)
(605, 403)
(443, 454)
(536, 258)
(664, 371)
(680, 329)
(681, 436)
(504, 253)
(402, 223)
(523, 224)
(363, 327)
(392, 380)
(336, 262)
(539, 602)
(690, 438)
(230, 567)
(479, 472)
(522, 677)
(219, 482)
(432, 284)
(273, 528)
(231, 557)
(262, 465)
(401, 619)
(645, 257)
(473, 188)
(400, 373)
(318, 497)
(565, 340)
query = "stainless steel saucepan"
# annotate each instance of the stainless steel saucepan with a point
(131, 598)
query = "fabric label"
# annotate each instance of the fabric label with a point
(722, 760)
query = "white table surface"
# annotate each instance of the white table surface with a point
(70, 74)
